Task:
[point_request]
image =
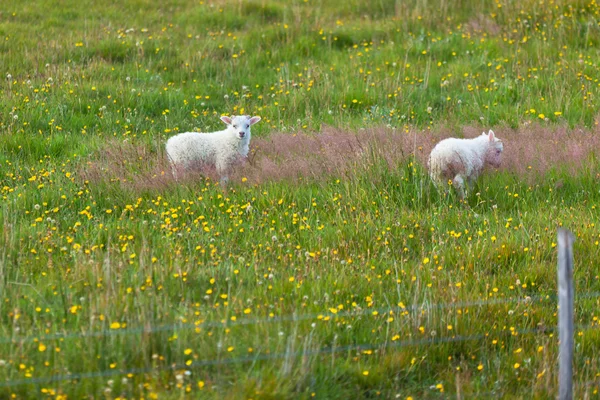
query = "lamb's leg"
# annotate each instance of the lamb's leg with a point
(459, 184)
(470, 183)
(222, 171)
(173, 166)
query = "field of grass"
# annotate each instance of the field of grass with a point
(330, 267)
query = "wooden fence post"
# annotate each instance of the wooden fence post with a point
(565, 314)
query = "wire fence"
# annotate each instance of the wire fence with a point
(292, 355)
(274, 356)
(566, 329)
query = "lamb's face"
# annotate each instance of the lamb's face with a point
(240, 125)
(494, 152)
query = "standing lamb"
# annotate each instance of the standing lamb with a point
(460, 159)
(219, 149)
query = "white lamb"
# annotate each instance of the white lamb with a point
(460, 159)
(219, 149)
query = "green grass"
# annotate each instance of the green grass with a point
(81, 255)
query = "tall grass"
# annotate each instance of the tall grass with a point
(330, 267)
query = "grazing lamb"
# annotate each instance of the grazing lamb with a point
(460, 159)
(218, 149)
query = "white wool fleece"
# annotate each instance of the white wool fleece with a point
(459, 159)
(219, 149)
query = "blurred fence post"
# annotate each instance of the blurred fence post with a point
(565, 314)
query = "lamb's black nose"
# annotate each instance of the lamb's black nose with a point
(242, 134)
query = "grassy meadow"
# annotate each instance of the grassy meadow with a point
(329, 267)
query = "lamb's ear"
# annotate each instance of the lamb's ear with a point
(227, 120)
(491, 135)
(254, 120)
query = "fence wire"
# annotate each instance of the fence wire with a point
(286, 318)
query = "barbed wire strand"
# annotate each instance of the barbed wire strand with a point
(262, 357)
(286, 318)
